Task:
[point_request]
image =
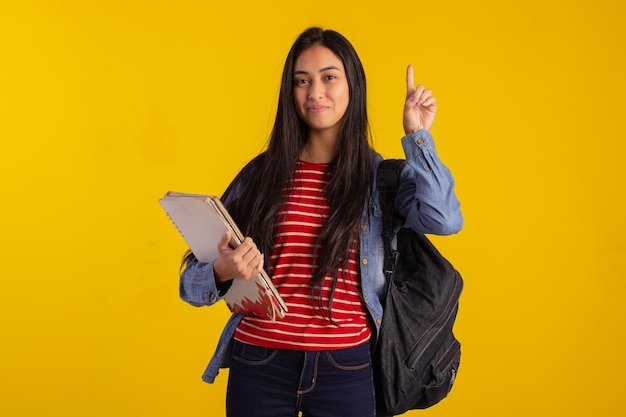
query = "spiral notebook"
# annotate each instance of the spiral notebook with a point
(202, 220)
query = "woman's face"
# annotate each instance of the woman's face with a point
(320, 89)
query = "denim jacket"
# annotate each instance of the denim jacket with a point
(426, 202)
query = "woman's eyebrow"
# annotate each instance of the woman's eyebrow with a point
(330, 67)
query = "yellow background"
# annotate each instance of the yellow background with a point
(106, 105)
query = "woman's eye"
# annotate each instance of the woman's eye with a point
(331, 77)
(300, 81)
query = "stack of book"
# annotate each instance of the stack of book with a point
(202, 221)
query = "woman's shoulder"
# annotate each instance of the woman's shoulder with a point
(375, 157)
(253, 165)
(244, 177)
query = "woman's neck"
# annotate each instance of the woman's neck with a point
(319, 148)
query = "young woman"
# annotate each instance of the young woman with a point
(309, 207)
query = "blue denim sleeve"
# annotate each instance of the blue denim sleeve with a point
(426, 199)
(197, 284)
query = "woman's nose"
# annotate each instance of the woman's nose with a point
(316, 90)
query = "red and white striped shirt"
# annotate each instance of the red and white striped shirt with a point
(306, 325)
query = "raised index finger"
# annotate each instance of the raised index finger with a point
(410, 83)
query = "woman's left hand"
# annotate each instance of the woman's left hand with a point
(420, 105)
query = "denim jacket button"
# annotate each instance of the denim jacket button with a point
(365, 261)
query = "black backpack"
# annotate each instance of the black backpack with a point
(416, 357)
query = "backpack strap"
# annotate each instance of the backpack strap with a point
(387, 180)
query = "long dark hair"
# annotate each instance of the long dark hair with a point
(262, 181)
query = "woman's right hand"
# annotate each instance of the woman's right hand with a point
(243, 262)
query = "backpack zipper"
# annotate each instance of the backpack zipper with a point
(450, 312)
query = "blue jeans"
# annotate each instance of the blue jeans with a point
(281, 383)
